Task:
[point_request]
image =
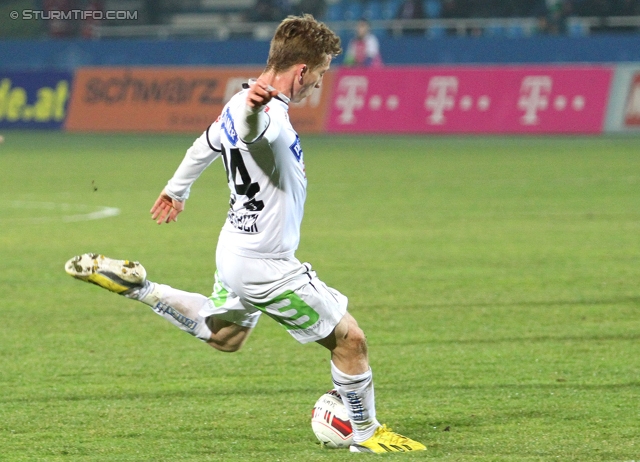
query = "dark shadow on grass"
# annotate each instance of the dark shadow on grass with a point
(535, 386)
(197, 392)
(585, 302)
(522, 340)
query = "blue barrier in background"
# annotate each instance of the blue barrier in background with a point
(18, 55)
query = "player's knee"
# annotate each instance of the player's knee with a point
(353, 337)
(357, 340)
(227, 337)
(232, 348)
(226, 347)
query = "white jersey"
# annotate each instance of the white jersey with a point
(266, 179)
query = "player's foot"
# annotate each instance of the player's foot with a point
(119, 276)
(386, 440)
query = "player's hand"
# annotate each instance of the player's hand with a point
(166, 209)
(260, 93)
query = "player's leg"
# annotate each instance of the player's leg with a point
(291, 293)
(185, 310)
(348, 346)
(353, 379)
(352, 376)
(180, 308)
(225, 335)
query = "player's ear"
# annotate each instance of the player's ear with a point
(302, 70)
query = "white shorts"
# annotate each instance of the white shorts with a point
(284, 289)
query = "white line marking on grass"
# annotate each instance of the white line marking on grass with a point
(66, 213)
(104, 212)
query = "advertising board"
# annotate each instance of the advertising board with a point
(510, 100)
(169, 99)
(34, 99)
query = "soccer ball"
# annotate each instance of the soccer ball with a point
(330, 422)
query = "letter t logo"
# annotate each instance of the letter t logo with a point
(352, 89)
(441, 94)
(534, 97)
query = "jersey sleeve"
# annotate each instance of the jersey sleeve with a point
(199, 156)
(252, 124)
(278, 116)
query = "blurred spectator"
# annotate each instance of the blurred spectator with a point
(557, 12)
(552, 16)
(411, 9)
(364, 48)
(542, 24)
(59, 28)
(88, 22)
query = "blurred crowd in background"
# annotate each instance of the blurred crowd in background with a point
(420, 9)
(550, 14)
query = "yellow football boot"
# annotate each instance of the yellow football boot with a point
(385, 440)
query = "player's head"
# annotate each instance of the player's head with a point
(301, 40)
(303, 46)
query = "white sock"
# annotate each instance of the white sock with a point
(358, 397)
(178, 307)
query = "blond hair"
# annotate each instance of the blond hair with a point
(301, 40)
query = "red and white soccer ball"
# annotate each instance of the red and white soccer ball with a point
(330, 422)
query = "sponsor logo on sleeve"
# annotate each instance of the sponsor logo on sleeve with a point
(296, 149)
(228, 127)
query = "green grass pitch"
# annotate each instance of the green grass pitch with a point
(497, 279)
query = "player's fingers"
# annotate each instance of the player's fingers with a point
(160, 202)
(157, 210)
(260, 94)
(168, 215)
(259, 85)
(254, 99)
(173, 215)
(156, 204)
(163, 214)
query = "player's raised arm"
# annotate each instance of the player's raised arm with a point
(199, 156)
(255, 121)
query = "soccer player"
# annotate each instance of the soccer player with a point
(257, 271)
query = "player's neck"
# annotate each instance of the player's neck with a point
(283, 82)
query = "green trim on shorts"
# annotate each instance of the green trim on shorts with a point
(220, 294)
(289, 310)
